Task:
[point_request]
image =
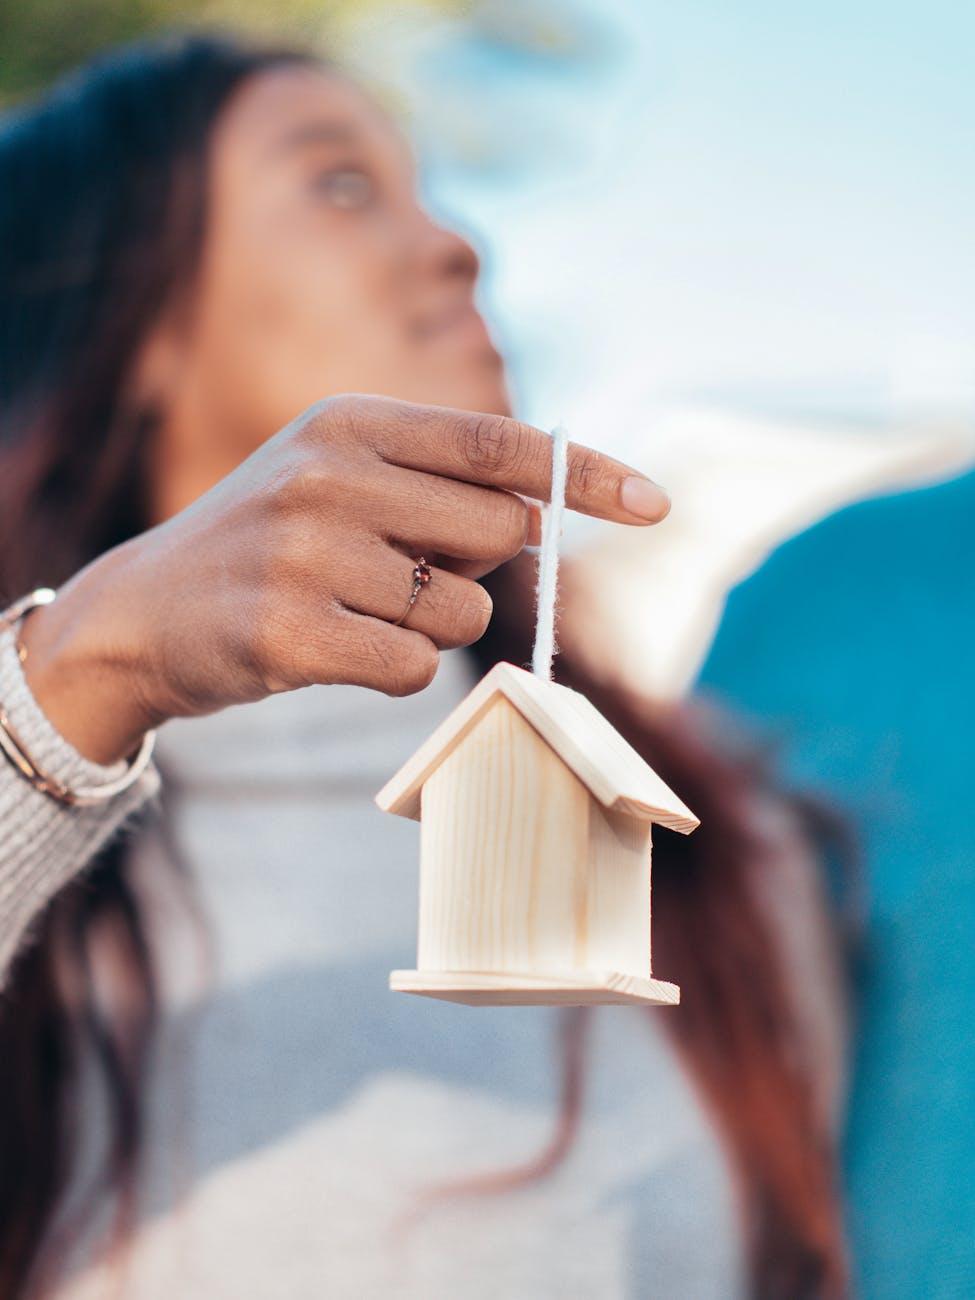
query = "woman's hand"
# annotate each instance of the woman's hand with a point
(295, 567)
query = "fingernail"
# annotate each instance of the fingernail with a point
(643, 497)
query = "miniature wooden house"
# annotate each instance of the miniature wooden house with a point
(535, 822)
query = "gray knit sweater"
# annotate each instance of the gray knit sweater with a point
(42, 844)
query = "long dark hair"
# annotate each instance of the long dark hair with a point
(102, 218)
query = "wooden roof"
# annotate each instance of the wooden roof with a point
(607, 765)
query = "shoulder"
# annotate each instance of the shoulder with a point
(842, 583)
(857, 547)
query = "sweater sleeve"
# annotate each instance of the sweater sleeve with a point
(44, 844)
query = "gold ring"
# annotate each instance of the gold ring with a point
(421, 576)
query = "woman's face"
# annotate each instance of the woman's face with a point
(321, 273)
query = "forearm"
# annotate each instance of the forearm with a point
(44, 844)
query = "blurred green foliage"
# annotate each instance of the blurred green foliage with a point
(41, 38)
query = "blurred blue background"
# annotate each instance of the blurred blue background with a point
(767, 207)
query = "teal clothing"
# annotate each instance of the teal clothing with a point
(854, 647)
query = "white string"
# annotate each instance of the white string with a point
(548, 560)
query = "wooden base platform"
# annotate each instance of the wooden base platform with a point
(569, 988)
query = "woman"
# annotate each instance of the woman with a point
(200, 241)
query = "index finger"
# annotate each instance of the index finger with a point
(497, 451)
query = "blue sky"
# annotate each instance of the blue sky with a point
(761, 207)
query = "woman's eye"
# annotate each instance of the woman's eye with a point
(346, 188)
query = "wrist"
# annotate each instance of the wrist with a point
(84, 665)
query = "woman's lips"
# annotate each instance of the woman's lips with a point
(463, 323)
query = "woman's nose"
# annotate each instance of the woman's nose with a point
(447, 253)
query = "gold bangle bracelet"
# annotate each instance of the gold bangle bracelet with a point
(15, 751)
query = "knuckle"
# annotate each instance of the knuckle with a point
(371, 664)
(319, 479)
(276, 496)
(365, 419)
(321, 413)
(414, 669)
(515, 524)
(289, 554)
(336, 415)
(474, 610)
(294, 486)
(276, 649)
(318, 485)
(492, 445)
(501, 527)
(586, 473)
(397, 421)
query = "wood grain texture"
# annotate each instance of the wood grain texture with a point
(608, 766)
(504, 852)
(618, 899)
(513, 988)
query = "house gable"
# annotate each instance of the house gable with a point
(608, 766)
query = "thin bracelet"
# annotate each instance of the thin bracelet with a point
(13, 747)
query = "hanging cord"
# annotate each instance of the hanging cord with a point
(545, 648)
